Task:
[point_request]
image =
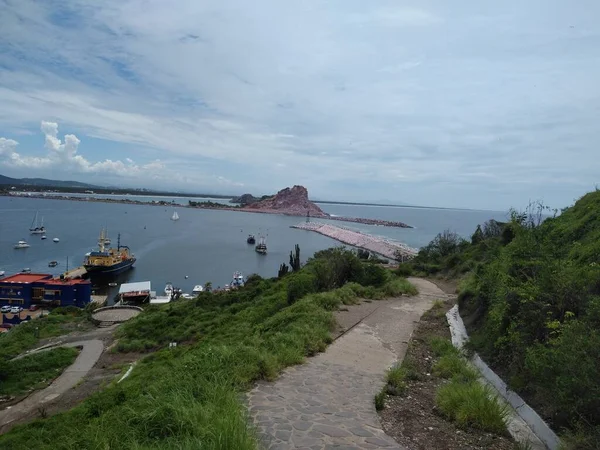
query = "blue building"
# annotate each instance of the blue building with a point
(26, 289)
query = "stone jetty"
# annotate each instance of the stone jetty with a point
(381, 246)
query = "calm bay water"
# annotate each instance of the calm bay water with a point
(205, 245)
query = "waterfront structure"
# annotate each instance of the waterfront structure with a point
(27, 289)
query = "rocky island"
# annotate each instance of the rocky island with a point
(294, 202)
(291, 201)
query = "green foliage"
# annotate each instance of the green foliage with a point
(380, 400)
(34, 371)
(283, 270)
(189, 396)
(442, 347)
(374, 275)
(300, 285)
(335, 267)
(472, 405)
(455, 367)
(532, 300)
(27, 334)
(295, 259)
(404, 270)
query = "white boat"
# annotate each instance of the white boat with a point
(26, 270)
(37, 228)
(175, 216)
(2, 272)
(197, 289)
(56, 239)
(22, 244)
(187, 296)
(43, 236)
(169, 290)
(238, 279)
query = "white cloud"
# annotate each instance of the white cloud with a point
(63, 155)
(351, 98)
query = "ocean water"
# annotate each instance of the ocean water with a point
(204, 245)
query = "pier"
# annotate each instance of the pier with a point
(78, 272)
(384, 247)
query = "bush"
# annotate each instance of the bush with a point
(442, 346)
(404, 270)
(380, 401)
(299, 285)
(374, 275)
(472, 405)
(396, 380)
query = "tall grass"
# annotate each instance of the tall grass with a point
(472, 405)
(34, 371)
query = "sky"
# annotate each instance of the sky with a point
(473, 104)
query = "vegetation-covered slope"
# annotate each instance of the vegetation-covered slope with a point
(532, 302)
(187, 397)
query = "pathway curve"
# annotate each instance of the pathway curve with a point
(91, 350)
(328, 402)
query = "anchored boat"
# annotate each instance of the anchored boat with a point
(37, 227)
(261, 247)
(108, 261)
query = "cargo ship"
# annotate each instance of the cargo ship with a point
(108, 261)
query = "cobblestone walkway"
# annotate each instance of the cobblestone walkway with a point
(327, 403)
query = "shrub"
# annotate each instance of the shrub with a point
(380, 400)
(299, 285)
(397, 287)
(374, 275)
(472, 405)
(404, 270)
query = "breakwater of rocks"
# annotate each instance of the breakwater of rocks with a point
(383, 223)
(384, 247)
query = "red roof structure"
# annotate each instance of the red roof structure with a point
(25, 278)
(66, 281)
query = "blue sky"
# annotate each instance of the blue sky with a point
(456, 104)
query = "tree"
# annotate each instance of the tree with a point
(295, 259)
(208, 286)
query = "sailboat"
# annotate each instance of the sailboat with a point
(175, 216)
(37, 228)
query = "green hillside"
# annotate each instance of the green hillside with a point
(531, 301)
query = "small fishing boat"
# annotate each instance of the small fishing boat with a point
(53, 264)
(169, 290)
(251, 239)
(2, 272)
(26, 270)
(175, 216)
(261, 247)
(22, 244)
(43, 237)
(55, 239)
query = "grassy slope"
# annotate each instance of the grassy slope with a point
(188, 396)
(25, 336)
(532, 302)
(34, 371)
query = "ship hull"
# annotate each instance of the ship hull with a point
(110, 271)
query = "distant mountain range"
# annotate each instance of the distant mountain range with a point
(44, 182)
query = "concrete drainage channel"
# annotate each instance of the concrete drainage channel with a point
(525, 425)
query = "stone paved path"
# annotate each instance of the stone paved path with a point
(327, 403)
(91, 350)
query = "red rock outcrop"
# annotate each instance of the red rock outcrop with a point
(293, 201)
